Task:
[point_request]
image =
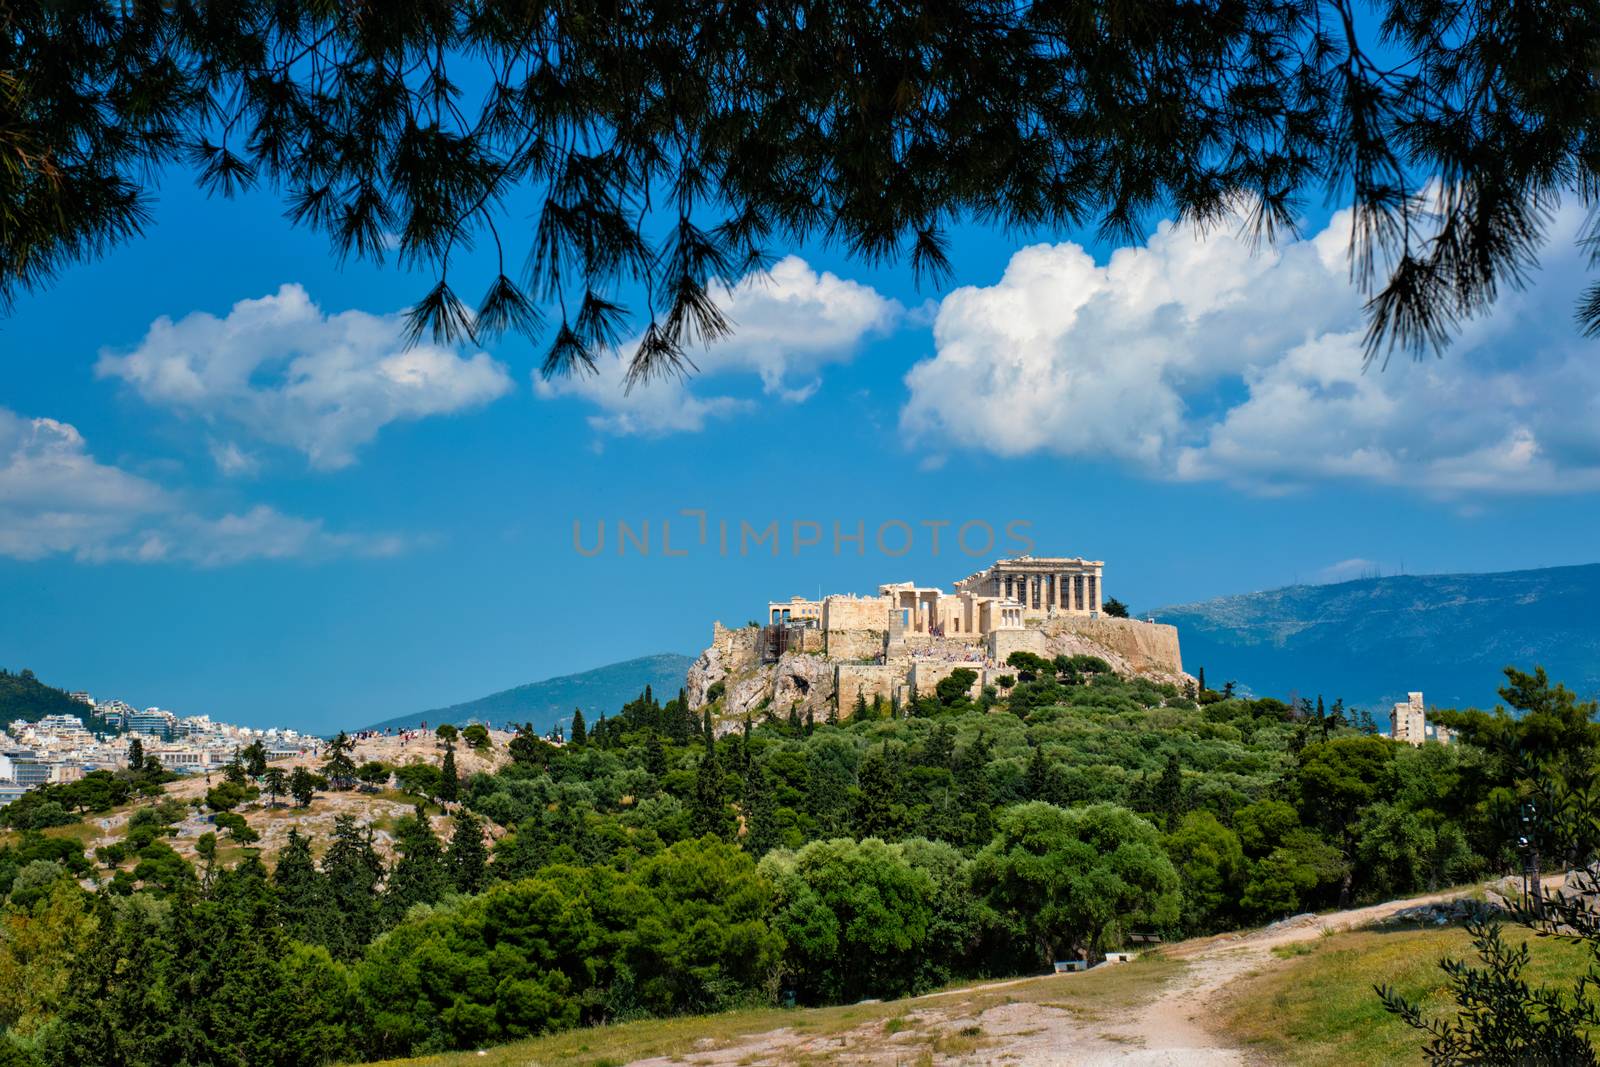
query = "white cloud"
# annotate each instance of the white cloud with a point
(233, 461)
(57, 499)
(1198, 357)
(788, 325)
(282, 370)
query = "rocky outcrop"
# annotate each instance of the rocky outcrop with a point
(1132, 648)
(731, 654)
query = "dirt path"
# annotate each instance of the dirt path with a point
(1034, 1022)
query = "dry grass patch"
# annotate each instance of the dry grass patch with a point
(1318, 1007)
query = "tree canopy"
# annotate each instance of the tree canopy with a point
(624, 159)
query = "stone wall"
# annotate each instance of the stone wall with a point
(926, 675)
(855, 645)
(1130, 646)
(870, 679)
(855, 628)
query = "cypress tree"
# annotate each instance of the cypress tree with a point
(449, 784)
(1036, 783)
(302, 892)
(940, 746)
(860, 714)
(878, 814)
(760, 829)
(580, 735)
(655, 757)
(811, 722)
(709, 814)
(352, 871)
(469, 857)
(1167, 796)
(420, 876)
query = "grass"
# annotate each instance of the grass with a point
(1318, 1005)
(914, 1024)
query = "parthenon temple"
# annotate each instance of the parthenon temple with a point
(1003, 596)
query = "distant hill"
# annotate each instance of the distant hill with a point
(1371, 641)
(544, 703)
(22, 696)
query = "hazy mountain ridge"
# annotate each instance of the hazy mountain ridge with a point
(546, 702)
(1373, 639)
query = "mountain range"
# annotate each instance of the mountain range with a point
(1371, 641)
(544, 703)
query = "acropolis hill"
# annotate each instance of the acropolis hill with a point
(909, 637)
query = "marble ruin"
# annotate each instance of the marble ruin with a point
(907, 638)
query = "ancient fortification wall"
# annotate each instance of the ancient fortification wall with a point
(883, 647)
(1130, 646)
(869, 679)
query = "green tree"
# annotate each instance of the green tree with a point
(1167, 796)
(255, 758)
(710, 812)
(302, 786)
(855, 916)
(1115, 608)
(225, 796)
(339, 768)
(580, 734)
(760, 813)
(421, 875)
(1211, 869)
(373, 774)
(302, 891)
(449, 783)
(352, 872)
(1036, 780)
(1073, 880)
(276, 783)
(879, 812)
(655, 756)
(136, 755)
(468, 859)
(446, 732)
(956, 687)
(477, 736)
(1337, 779)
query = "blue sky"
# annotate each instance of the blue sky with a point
(268, 511)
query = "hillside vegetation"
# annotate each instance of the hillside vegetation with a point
(651, 868)
(22, 696)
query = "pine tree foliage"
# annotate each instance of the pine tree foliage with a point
(667, 148)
